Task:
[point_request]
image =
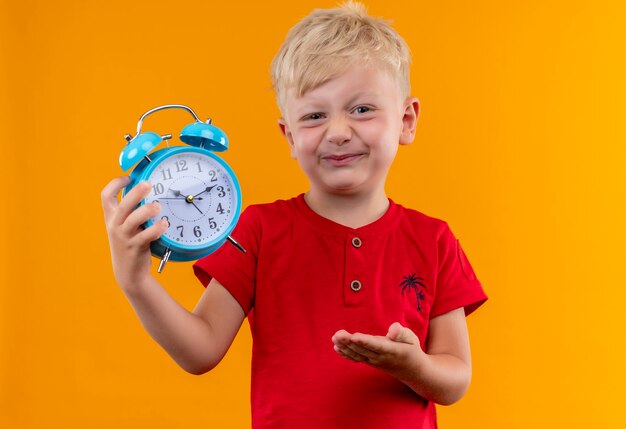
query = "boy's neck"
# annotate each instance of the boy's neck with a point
(353, 211)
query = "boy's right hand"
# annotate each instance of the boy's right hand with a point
(129, 242)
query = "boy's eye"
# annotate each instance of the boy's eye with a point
(362, 109)
(313, 116)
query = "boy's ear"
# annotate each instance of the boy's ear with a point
(284, 129)
(409, 120)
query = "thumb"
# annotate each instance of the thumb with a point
(400, 334)
(109, 194)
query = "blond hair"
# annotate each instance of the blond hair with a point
(325, 43)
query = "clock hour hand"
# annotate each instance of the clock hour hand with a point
(188, 199)
(181, 196)
(177, 193)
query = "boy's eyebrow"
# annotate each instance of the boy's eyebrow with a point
(363, 94)
(319, 104)
(306, 109)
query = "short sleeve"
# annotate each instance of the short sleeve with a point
(235, 270)
(457, 285)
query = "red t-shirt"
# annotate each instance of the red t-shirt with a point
(305, 277)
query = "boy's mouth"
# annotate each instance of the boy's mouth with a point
(344, 159)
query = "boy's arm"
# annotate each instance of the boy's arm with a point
(441, 374)
(196, 341)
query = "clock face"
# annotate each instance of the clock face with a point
(197, 195)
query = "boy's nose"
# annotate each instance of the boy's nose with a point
(339, 131)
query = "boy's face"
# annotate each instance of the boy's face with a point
(345, 132)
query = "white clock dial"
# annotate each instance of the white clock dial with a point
(197, 197)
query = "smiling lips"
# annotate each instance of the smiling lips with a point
(340, 160)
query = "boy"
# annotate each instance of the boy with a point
(327, 272)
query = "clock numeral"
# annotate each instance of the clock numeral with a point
(212, 223)
(199, 167)
(196, 231)
(158, 189)
(181, 165)
(221, 193)
(213, 175)
(219, 209)
(167, 174)
(180, 228)
(168, 220)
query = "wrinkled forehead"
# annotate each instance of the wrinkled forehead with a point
(322, 69)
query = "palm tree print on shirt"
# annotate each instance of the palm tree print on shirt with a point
(412, 282)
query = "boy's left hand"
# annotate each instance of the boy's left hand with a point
(398, 353)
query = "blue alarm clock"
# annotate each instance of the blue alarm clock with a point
(198, 192)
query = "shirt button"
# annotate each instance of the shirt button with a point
(356, 242)
(355, 285)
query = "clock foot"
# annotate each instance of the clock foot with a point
(164, 259)
(232, 241)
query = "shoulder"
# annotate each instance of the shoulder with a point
(276, 215)
(422, 224)
(273, 207)
(271, 211)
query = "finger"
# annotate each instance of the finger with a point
(150, 234)
(109, 194)
(364, 353)
(350, 354)
(375, 349)
(340, 353)
(341, 337)
(372, 343)
(400, 334)
(140, 216)
(348, 357)
(130, 202)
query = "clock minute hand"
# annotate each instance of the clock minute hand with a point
(208, 189)
(189, 198)
(177, 198)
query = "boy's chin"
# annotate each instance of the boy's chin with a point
(345, 188)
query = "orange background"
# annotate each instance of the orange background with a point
(520, 147)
